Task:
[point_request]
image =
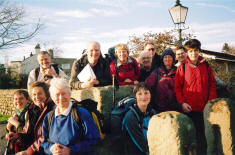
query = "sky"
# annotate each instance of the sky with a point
(68, 25)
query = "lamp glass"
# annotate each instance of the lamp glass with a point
(178, 14)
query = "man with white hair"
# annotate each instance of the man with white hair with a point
(46, 70)
(98, 64)
(145, 61)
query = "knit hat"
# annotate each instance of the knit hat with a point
(168, 51)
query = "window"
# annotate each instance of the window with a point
(65, 66)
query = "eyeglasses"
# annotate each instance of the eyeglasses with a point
(151, 49)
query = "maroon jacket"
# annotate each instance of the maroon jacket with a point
(34, 148)
(126, 71)
(195, 85)
(161, 82)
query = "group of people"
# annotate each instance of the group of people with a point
(44, 123)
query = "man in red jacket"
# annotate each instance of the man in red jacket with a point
(195, 85)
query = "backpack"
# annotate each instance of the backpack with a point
(118, 114)
(55, 66)
(91, 107)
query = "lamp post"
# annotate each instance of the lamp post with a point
(178, 14)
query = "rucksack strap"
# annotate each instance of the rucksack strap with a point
(118, 68)
(36, 73)
(55, 66)
(76, 118)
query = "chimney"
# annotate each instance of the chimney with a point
(50, 51)
(37, 48)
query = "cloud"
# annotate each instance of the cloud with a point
(149, 4)
(213, 36)
(104, 12)
(74, 14)
(216, 6)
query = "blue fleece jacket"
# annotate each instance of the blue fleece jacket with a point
(64, 130)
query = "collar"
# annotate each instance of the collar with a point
(128, 61)
(65, 113)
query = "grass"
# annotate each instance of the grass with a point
(3, 118)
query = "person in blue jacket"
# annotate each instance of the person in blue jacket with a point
(64, 135)
(135, 122)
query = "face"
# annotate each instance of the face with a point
(180, 55)
(122, 55)
(193, 55)
(146, 61)
(20, 101)
(61, 97)
(44, 61)
(143, 97)
(93, 53)
(150, 48)
(38, 96)
(168, 61)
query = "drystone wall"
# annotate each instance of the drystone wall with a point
(102, 95)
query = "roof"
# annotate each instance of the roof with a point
(219, 55)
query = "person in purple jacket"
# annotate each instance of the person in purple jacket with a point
(64, 135)
(161, 81)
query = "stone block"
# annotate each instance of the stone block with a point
(219, 118)
(103, 95)
(171, 133)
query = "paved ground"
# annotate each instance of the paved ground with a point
(2, 138)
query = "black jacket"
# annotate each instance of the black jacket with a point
(136, 141)
(101, 70)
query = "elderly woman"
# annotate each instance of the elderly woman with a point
(136, 129)
(39, 93)
(25, 113)
(98, 64)
(125, 68)
(63, 135)
(161, 82)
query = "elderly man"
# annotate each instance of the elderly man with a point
(149, 46)
(46, 70)
(98, 64)
(63, 135)
(180, 55)
(145, 61)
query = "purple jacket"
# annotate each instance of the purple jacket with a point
(161, 82)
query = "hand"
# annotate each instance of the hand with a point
(11, 136)
(14, 121)
(22, 153)
(9, 126)
(186, 107)
(58, 149)
(50, 72)
(128, 80)
(136, 82)
(89, 83)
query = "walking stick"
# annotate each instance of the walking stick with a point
(113, 84)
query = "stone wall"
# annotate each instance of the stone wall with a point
(6, 101)
(102, 95)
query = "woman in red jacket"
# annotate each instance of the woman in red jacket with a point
(195, 85)
(124, 67)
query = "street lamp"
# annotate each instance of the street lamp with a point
(178, 14)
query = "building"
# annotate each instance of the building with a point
(15, 68)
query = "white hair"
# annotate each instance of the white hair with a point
(144, 53)
(59, 83)
(91, 43)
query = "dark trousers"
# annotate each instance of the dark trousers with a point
(197, 118)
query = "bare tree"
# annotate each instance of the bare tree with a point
(13, 30)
